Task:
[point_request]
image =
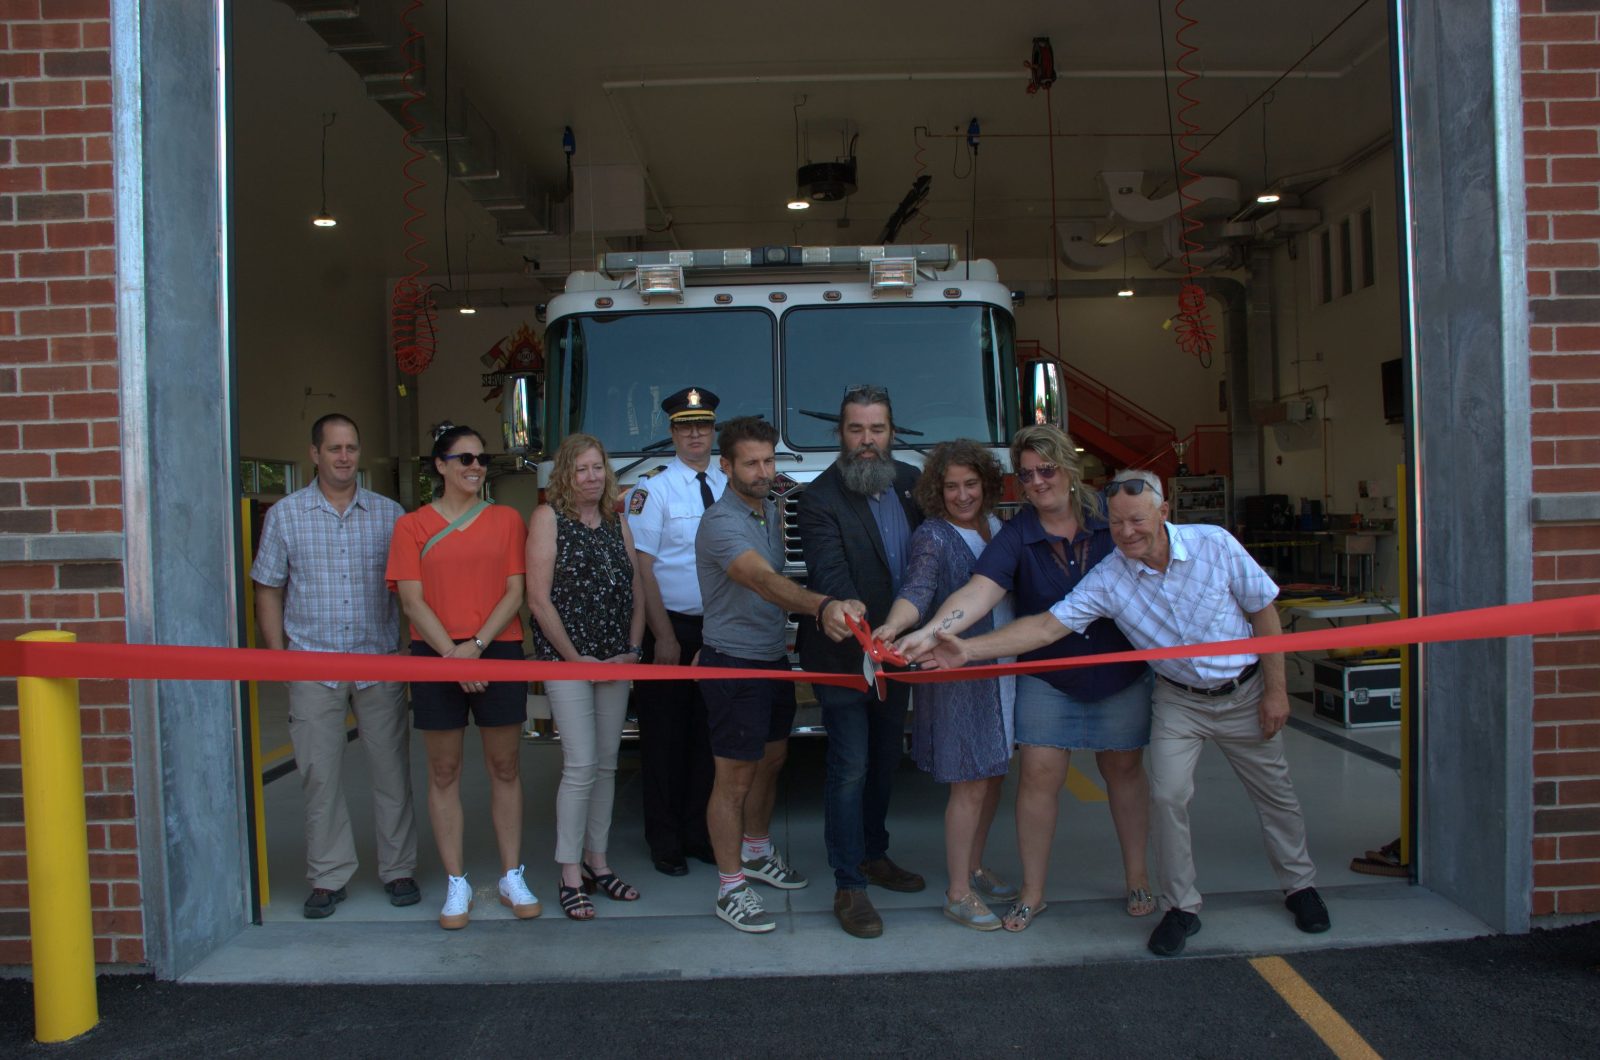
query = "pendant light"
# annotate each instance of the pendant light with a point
(1126, 290)
(324, 219)
(1269, 194)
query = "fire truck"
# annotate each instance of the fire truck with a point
(780, 332)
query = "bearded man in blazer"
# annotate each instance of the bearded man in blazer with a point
(855, 526)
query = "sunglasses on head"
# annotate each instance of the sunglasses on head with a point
(1131, 486)
(468, 459)
(868, 392)
(1046, 472)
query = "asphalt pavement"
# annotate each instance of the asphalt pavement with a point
(1500, 996)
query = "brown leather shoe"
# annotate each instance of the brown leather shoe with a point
(891, 877)
(856, 915)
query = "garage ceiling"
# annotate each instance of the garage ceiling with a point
(631, 79)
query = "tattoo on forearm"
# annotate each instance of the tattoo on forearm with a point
(951, 619)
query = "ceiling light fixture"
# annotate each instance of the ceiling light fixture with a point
(1126, 290)
(1269, 194)
(324, 219)
(466, 309)
(798, 203)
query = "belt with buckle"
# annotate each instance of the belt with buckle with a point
(1218, 690)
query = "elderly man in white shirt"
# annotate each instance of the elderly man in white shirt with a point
(1167, 586)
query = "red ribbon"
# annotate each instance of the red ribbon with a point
(163, 662)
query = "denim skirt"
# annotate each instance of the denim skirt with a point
(1049, 717)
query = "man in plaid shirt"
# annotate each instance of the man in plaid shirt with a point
(320, 587)
(1167, 586)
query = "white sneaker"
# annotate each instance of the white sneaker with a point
(514, 893)
(457, 904)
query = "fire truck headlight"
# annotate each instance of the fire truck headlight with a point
(893, 274)
(655, 281)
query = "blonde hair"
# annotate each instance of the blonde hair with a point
(563, 470)
(1054, 446)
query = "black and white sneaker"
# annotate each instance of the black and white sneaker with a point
(742, 908)
(772, 870)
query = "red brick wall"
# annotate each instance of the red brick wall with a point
(1561, 115)
(60, 464)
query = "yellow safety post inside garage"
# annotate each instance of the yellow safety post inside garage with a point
(64, 1001)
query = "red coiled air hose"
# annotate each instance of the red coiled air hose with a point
(1193, 322)
(411, 311)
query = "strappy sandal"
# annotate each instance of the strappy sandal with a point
(1020, 916)
(1140, 901)
(607, 883)
(575, 903)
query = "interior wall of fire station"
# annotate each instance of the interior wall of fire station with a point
(1465, 194)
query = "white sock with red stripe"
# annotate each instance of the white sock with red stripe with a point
(729, 883)
(755, 846)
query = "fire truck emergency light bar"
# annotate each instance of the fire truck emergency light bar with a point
(932, 256)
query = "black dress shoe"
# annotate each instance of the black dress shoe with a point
(1168, 938)
(702, 853)
(671, 866)
(1310, 912)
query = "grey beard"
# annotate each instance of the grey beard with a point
(866, 477)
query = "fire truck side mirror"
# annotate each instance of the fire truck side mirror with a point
(1042, 395)
(519, 404)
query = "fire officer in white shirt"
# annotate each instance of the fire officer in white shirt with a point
(664, 512)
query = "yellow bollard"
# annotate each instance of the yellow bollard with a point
(64, 1001)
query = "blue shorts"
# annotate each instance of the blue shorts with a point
(443, 705)
(1048, 717)
(744, 715)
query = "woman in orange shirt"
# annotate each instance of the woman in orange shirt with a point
(458, 567)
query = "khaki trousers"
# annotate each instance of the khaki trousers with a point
(1181, 722)
(589, 716)
(316, 729)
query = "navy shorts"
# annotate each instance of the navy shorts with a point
(445, 705)
(744, 715)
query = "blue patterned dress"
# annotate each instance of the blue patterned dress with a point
(961, 730)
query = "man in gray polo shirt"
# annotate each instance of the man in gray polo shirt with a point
(738, 554)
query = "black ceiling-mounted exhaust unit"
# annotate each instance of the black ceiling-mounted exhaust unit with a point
(827, 181)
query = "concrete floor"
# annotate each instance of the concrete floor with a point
(1351, 803)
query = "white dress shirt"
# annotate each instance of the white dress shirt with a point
(664, 523)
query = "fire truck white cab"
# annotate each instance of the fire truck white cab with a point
(780, 332)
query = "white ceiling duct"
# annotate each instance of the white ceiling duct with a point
(1082, 250)
(1163, 248)
(1212, 197)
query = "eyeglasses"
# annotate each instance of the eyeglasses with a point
(1131, 486)
(468, 459)
(1046, 472)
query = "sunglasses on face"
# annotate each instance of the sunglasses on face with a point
(468, 459)
(1131, 486)
(1046, 472)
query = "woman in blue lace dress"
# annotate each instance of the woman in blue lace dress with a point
(961, 730)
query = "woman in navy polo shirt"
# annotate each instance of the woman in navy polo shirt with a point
(1040, 555)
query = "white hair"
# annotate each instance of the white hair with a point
(1149, 478)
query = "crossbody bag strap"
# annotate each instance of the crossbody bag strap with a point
(463, 518)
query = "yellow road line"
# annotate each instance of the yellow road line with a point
(1336, 1034)
(1083, 789)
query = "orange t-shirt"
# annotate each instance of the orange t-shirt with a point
(463, 576)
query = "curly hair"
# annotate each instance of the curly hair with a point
(563, 470)
(963, 452)
(1055, 446)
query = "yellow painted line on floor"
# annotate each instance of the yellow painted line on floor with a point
(1083, 789)
(1340, 1038)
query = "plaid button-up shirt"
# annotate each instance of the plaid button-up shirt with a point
(1210, 587)
(330, 565)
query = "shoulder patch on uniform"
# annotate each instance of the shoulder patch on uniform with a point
(653, 472)
(636, 501)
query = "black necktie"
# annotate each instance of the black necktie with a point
(706, 498)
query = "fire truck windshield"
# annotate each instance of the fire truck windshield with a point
(942, 363)
(615, 369)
